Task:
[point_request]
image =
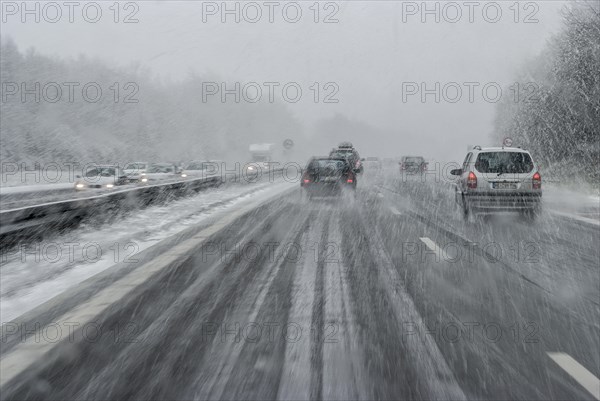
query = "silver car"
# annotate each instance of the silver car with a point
(498, 180)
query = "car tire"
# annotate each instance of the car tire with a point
(464, 208)
(531, 215)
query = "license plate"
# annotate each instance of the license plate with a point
(505, 185)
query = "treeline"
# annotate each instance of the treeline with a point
(558, 113)
(81, 110)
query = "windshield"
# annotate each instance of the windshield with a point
(102, 172)
(135, 166)
(323, 200)
(504, 162)
(196, 166)
(160, 168)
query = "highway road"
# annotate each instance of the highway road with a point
(390, 295)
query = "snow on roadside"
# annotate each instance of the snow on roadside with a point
(33, 276)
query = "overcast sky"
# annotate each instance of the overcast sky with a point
(372, 55)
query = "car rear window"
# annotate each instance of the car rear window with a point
(326, 164)
(504, 162)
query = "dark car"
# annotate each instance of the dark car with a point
(413, 164)
(328, 176)
(347, 151)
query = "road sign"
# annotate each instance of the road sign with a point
(288, 144)
(507, 142)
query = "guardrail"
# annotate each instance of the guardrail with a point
(30, 222)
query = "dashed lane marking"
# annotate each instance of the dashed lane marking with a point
(395, 211)
(583, 376)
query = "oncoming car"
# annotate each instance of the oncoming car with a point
(328, 176)
(159, 172)
(372, 163)
(101, 176)
(195, 169)
(499, 180)
(135, 170)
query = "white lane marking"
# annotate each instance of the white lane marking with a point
(433, 246)
(395, 211)
(583, 376)
(295, 372)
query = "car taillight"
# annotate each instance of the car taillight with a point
(472, 180)
(537, 181)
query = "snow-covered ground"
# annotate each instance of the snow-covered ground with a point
(568, 201)
(43, 270)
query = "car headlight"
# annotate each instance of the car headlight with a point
(79, 185)
(251, 167)
(144, 179)
(109, 185)
(184, 175)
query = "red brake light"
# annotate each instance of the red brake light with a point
(472, 180)
(537, 181)
(306, 180)
(349, 181)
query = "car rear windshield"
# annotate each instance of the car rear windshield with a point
(326, 164)
(504, 162)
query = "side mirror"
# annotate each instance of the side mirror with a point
(456, 171)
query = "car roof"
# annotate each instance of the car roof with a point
(501, 149)
(327, 158)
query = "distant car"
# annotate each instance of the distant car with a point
(346, 150)
(412, 165)
(159, 172)
(135, 170)
(101, 176)
(499, 179)
(195, 169)
(328, 176)
(372, 163)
